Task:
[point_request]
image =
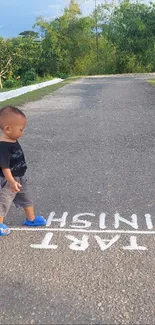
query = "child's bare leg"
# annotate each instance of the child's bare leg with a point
(33, 220)
(4, 230)
(1, 219)
(30, 213)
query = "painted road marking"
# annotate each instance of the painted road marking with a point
(137, 232)
(83, 225)
(81, 244)
(45, 242)
(134, 246)
(78, 233)
(80, 221)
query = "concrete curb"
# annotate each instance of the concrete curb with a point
(20, 91)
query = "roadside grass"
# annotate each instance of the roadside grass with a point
(151, 82)
(20, 85)
(37, 94)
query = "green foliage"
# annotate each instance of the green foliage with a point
(106, 64)
(62, 75)
(29, 77)
(12, 83)
(113, 39)
(29, 33)
(132, 29)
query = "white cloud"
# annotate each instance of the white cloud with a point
(89, 5)
(56, 8)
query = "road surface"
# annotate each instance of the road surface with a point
(90, 148)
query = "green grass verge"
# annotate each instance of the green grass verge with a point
(151, 82)
(37, 81)
(36, 94)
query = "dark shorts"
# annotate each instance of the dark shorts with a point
(7, 197)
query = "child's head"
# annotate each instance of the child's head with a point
(12, 122)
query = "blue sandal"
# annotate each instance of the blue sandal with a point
(37, 222)
(4, 230)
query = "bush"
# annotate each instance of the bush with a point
(62, 75)
(11, 83)
(44, 78)
(29, 77)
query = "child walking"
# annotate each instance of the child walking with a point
(13, 181)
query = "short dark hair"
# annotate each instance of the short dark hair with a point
(4, 112)
(11, 109)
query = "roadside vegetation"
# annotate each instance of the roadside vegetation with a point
(152, 82)
(36, 94)
(112, 39)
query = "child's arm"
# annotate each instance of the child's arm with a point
(15, 186)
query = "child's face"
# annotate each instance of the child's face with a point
(15, 129)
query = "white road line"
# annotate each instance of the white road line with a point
(93, 231)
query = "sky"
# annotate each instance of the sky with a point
(17, 16)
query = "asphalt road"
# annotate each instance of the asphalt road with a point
(90, 148)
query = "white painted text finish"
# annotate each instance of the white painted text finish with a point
(84, 220)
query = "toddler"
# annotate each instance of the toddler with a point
(13, 181)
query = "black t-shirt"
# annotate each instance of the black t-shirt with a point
(12, 156)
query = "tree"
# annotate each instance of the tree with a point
(17, 56)
(113, 39)
(29, 33)
(27, 55)
(66, 38)
(132, 29)
(5, 59)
